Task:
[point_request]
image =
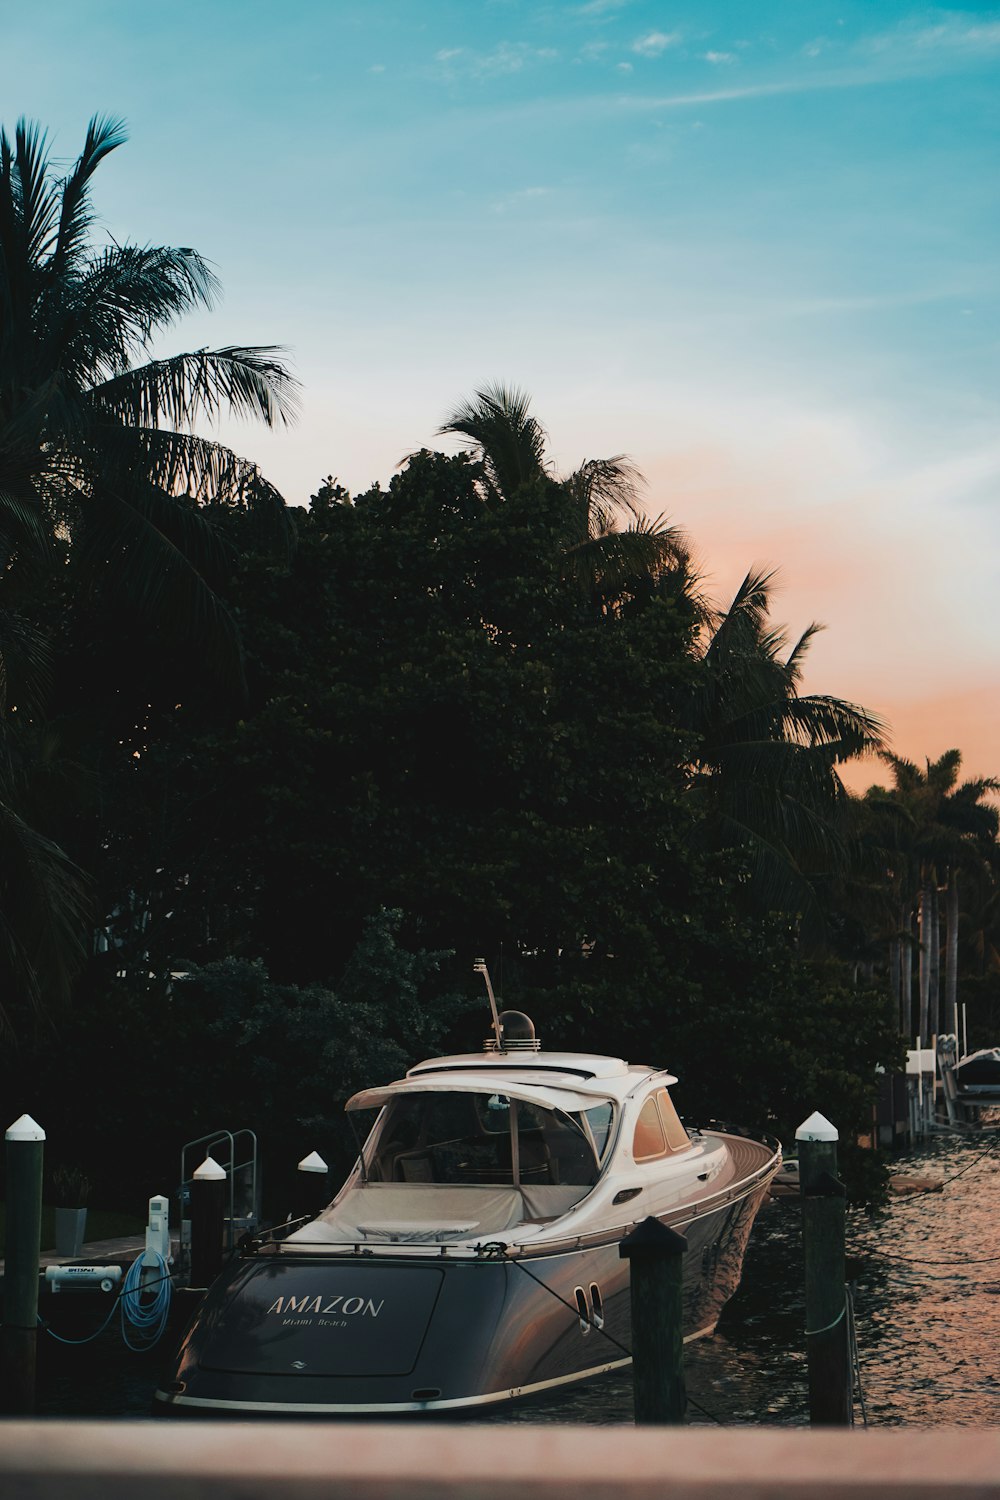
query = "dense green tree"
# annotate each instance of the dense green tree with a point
(525, 759)
(435, 723)
(145, 1062)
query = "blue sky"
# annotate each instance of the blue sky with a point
(752, 245)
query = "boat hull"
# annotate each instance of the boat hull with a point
(294, 1332)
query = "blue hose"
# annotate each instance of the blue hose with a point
(147, 1319)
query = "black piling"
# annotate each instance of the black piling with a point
(828, 1348)
(656, 1258)
(22, 1248)
(208, 1211)
(312, 1187)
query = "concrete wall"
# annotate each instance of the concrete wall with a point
(167, 1460)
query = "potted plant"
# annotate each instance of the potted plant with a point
(70, 1192)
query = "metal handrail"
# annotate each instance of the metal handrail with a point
(231, 1167)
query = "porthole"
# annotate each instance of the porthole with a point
(597, 1303)
(583, 1309)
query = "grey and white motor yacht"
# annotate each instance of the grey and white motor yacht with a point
(472, 1256)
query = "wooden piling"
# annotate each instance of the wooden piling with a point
(828, 1347)
(656, 1258)
(22, 1249)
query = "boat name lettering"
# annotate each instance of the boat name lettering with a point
(350, 1306)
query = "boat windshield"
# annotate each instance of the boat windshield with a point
(454, 1138)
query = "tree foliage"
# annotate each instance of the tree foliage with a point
(103, 491)
(487, 711)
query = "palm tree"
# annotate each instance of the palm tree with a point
(101, 472)
(608, 542)
(766, 770)
(766, 767)
(952, 831)
(97, 445)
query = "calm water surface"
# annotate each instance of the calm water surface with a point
(927, 1300)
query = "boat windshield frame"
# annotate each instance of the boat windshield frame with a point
(565, 1110)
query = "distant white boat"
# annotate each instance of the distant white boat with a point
(979, 1072)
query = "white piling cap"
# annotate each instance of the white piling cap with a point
(313, 1163)
(209, 1171)
(817, 1128)
(25, 1129)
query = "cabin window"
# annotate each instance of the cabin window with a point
(649, 1139)
(658, 1129)
(677, 1136)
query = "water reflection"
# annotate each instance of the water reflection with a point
(927, 1300)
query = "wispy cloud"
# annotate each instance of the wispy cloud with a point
(594, 51)
(600, 7)
(655, 43)
(505, 57)
(519, 199)
(959, 33)
(720, 57)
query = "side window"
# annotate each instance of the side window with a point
(649, 1140)
(600, 1119)
(677, 1136)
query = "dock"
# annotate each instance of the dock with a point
(118, 1460)
(118, 1252)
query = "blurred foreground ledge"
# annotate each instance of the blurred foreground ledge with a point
(166, 1460)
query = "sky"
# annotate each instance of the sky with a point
(752, 245)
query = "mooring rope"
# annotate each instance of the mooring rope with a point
(514, 1260)
(812, 1333)
(925, 1192)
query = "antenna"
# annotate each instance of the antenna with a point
(479, 967)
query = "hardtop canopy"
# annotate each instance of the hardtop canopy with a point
(547, 1096)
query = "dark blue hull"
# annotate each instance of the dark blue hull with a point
(294, 1331)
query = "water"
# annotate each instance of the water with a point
(927, 1300)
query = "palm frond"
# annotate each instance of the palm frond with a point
(819, 719)
(21, 518)
(94, 325)
(612, 561)
(605, 490)
(510, 441)
(247, 383)
(745, 616)
(34, 199)
(795, 658)
(207, 473)
(105, 134)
